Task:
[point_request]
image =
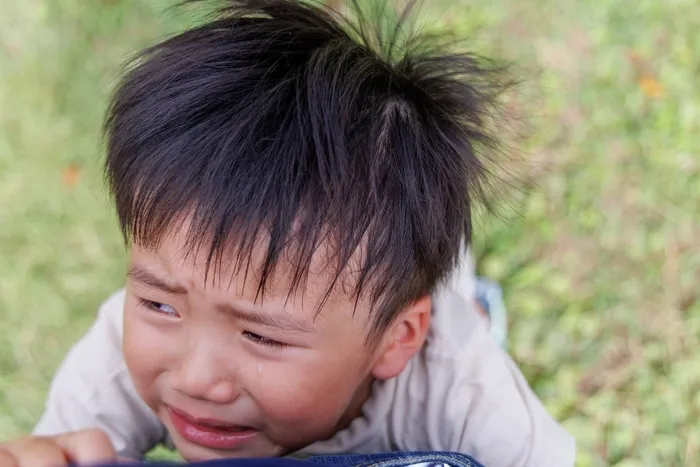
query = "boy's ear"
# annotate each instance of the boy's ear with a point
(403, 339)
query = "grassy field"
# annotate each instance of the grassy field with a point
(599, 260)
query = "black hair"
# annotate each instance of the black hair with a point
(280, 120)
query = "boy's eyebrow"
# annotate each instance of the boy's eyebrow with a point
(150, 279)
(277, 320)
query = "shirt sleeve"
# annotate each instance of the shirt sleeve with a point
(502, 422)
(92, 389)
(490, 411)
(478, 401)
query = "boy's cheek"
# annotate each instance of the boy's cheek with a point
(305, 394)
(302, 419)
(146, 356)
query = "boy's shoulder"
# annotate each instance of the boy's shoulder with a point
(100, 348)
(112, 312)
(443, 384)
(92, 388)
(461, 393)
(467, 395)
(464, 393)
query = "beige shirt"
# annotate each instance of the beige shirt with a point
(461, 393)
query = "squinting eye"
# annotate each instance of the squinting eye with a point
(159, 307)
(261, 340)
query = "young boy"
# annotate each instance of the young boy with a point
(297, 206)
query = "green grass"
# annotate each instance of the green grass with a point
(599, 261)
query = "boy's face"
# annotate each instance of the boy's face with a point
(232, 377)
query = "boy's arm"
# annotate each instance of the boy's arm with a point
(501, 421)
(477, 400)
(92, 389)
(488, 411)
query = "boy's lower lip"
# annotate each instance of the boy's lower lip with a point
(209, 436)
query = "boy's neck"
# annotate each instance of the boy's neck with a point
(354, 411)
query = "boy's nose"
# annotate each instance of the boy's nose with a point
(200, 377)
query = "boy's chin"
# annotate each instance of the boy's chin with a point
(194, 453)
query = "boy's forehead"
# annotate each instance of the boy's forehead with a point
(239, 272)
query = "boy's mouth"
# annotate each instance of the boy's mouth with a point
(214, 434)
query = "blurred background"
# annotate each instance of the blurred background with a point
(599, 258)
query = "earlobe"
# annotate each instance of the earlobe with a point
(404, 339)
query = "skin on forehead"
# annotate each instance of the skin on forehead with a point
(318, 288)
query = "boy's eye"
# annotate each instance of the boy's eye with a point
(159, 307)
(258, 339)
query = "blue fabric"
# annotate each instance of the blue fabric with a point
(490, 296)
(390, 459)
(398, 459)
